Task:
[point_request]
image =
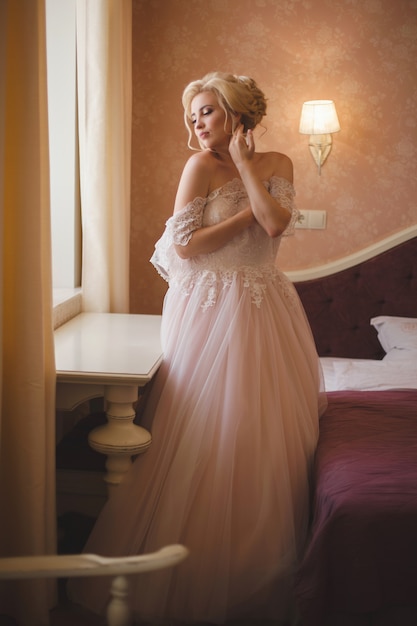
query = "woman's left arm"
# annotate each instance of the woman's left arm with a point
(273, 217)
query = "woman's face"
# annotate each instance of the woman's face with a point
(208, 119)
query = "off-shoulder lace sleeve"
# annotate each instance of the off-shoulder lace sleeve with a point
(283, 191)
(178, 231)
(186, 221)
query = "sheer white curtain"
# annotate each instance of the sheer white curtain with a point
(27, 376)
(104, 35)
(27, 368)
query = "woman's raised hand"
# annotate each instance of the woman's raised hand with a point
(241, 147)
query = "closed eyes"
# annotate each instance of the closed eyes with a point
(204, 111)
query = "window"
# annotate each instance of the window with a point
(63, 147)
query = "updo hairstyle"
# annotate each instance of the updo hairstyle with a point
(239, 95)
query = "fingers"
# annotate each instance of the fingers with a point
(250, 140)
(241, 146)
(242, 139)
(239, 134)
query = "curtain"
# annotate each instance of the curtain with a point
(104, 108)
(27, 375)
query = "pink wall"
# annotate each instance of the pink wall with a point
(360, 53)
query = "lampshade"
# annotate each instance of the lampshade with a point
(319, 117)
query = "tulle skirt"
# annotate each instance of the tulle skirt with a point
(234, 418)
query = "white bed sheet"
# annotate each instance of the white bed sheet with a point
(367, 375)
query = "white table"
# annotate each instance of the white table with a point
(110, 355)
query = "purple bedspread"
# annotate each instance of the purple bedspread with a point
(362, 554)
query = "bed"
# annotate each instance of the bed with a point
(360, 564)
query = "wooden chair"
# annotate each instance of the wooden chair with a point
(77, 565)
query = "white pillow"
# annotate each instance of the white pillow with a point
(327, 369)
(331, 382)
(376, 375)
(398, 336)
(399, 354)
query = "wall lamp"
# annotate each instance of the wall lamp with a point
(319, 119)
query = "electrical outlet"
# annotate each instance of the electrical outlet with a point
(312, 219)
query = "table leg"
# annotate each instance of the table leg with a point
(119, 438)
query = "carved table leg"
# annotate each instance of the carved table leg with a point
(119, 438)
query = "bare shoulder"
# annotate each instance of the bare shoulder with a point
(195, 179)
(199, 164)
(278, 164)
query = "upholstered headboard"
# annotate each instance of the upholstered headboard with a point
(340, 306)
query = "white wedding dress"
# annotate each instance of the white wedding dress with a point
(234, 416)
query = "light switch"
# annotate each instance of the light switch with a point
(312, 219)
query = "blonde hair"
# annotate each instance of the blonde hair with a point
(237, 95)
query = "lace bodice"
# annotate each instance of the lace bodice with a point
(251, 254)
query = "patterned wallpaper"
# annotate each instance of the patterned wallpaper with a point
(360, 53)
